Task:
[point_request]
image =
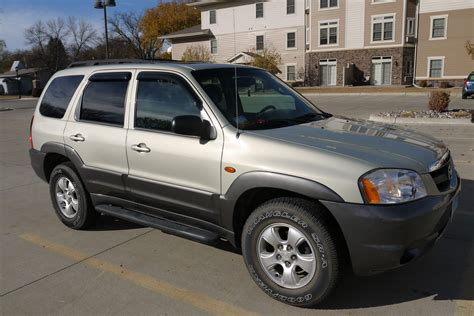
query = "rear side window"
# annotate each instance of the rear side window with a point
(161, 98)
(58, 96)
(103, 100)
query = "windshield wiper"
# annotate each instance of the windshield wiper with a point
(309, 116)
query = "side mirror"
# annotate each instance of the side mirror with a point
(193, 126)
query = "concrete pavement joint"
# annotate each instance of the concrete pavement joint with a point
(31, 238)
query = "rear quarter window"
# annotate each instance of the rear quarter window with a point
(58, 95)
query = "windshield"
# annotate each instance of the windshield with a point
(263, 101)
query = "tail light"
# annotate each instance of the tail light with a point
(465, 83)
(30, 138)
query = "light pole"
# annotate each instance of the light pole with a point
(103, 4)
(18, 82)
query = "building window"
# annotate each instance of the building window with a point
(327, 4)
(409, 67)
(213, 46)
(382, 28)
(410, 26)
(290, 6)
(291, 72)
(328, 72)
(307, 36)
(435, 67)
(212, 17)
(291, 40)
(439, 26)
(383, 1)
(381, 71)
(259, 10)
(259, 42)
(328, 33)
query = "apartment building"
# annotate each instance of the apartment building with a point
(340, 42)
(445, 28)
(234, 30)
(355, 42)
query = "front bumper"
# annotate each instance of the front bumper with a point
(383, 237)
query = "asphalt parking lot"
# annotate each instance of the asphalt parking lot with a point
(121, 268)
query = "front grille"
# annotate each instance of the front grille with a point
(442, 176)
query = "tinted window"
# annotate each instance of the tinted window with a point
(162, 97)
(58, 96)
(104, 101)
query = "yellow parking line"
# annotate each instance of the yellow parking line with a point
(198, 300)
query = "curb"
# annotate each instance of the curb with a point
(404, 120)
(372, 93)
(22, 99)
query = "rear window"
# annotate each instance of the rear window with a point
(470, 77)
(59, 94)
(103, 100)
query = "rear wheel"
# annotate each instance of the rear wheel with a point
(290, 251)
(70, 199)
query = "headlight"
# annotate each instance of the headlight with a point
(389, 186)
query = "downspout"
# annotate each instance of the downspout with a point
(415, 59)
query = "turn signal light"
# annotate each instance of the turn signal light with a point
(370, 192)
(230, 169)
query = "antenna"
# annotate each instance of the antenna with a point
(235, 81)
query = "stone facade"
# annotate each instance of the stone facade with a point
(402, 65)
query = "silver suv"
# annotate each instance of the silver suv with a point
(213, 152)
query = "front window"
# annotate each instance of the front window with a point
(259, 42)
(213, 46)
(259, 10)
(212, 17)
(290, 6)
(436, 68)
(326, 4)
(382, 28)
(291, 73)
(438, 27)
(291, 40)
(262, 101)
(328, 33)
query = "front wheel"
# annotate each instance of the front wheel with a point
(289, 248)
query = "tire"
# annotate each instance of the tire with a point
(70, 199)
(318, 240)
(464, 96)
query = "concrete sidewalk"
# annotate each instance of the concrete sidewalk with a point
(375, 90)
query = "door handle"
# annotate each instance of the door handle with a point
(141, 148)
(77, 138)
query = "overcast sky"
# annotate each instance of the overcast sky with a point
(17, 15)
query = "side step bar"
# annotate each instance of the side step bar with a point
(170, 227)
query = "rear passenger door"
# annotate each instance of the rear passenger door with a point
(177, 173)
(97, 132)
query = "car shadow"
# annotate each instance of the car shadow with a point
(445, 273)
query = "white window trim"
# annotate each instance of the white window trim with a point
(286, 8)
(319, 33)
(286, 72)
(414, 26)
(430, 58)
(432, 18)
(328, 8)
(263, 10)
(217, 46)
(384, 2)
(383, 29)
(296, 39)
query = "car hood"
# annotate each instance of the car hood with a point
(381, 145)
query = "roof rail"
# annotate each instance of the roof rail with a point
(97, 62)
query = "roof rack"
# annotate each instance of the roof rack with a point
(98, 62)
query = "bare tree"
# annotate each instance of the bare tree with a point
(127, 26)
(82, 36)
(36, 35)
(57, 28)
